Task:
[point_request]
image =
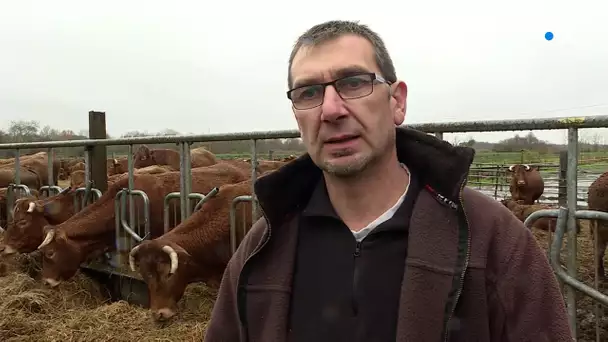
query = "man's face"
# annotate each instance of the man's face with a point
(344, 137)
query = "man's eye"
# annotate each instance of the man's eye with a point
(307, 93)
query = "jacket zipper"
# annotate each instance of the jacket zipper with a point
(464, 269)
(356, 255)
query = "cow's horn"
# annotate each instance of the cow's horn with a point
(48, 238)
(132, 258)
(30, 209)
(511, 168)
(527, 167)
(173, 256)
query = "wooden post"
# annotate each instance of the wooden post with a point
(97, 130)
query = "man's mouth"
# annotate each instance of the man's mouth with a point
(341, 139)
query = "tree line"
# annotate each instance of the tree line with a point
(30, 131)
(529, 142)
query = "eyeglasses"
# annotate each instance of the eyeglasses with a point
(350, 87)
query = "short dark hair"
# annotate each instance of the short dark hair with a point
(333, 29)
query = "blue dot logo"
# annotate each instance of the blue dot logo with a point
(549, 35)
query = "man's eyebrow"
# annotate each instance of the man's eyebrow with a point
(336, 74)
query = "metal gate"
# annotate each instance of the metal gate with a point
(562, 272)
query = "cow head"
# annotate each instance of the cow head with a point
(77, 179)
(163, 266)
(63, 175)
(519, 173)
(60, 258)
(24, 232)
(143, 157)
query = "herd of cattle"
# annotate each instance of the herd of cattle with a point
(197, 249)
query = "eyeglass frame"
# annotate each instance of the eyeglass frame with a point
(375, 78)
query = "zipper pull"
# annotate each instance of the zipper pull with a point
(357, 249)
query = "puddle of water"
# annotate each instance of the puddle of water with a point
(551, 188)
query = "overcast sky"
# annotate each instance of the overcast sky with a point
(221, 66)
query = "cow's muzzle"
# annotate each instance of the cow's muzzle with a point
(51, 282)
(163, 314)
(7, 250)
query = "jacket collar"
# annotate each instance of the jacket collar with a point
(438, 164)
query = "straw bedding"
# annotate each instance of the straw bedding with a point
(79, 310)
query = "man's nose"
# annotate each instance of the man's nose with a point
(333, 107)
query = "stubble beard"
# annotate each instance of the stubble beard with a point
(348, 170)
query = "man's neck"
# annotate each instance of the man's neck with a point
(362, 199)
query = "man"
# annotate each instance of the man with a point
(372, 235)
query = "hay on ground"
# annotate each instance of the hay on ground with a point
(79, 310)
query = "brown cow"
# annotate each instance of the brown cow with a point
(200, 156)
(196, 250)
(117, 166)
(597, 199)
(91, 231)
(145, 156)
(76, 167)
(522, 211)
(3, 204)
(263, 165)
(63, 174)
(526, 184)
(77, 180)
(154, 169)
(33, 171)
(30, 215)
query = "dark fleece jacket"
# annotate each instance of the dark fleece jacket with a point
(473, 272)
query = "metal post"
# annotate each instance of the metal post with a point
(571, 177)
(184, 169)
(17, 167)
(562, 174)
(50, 169)
(87, 176)
(254, 177)
(132, 223)
(187, 178)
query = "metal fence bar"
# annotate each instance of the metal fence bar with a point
(188, 180)
(560, 230)
(184, 180)
(11, 198)
(571, 195)
(17, 167)
(235, 202)
(81, 203)
(202, 201)
(132, 220)
(254, 169)
(599, 121)
(50, 168)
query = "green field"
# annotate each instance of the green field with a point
(489, 168)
